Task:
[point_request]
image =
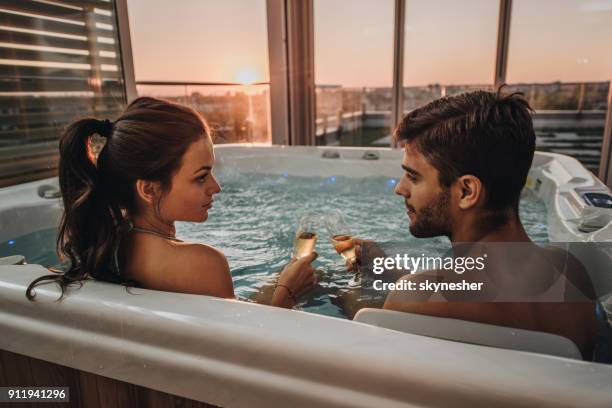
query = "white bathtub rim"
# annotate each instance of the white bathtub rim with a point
(471, 372)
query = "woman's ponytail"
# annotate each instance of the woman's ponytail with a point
(88, 231)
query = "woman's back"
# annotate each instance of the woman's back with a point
(163, 264)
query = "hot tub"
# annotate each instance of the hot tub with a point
(233, 353)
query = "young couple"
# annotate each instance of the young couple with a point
(466, 160)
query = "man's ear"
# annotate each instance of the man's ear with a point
(470, 191)
(147, 190)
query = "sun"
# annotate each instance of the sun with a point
(247, 76)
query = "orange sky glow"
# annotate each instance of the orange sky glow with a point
(446, 42)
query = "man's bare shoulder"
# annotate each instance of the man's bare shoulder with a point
(431, 292)
(575, 272)
(407, 300)
(416, 301)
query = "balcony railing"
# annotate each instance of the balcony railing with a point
(569, 118)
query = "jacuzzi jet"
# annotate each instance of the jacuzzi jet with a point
(48, 191)
(330, 154)
(370, 156)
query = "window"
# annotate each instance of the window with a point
(449, 48)
(58, 61)
(353, 71)
(559, 57)
(210, 55)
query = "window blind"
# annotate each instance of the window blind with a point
(59, 60)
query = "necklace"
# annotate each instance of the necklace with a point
(159, 234)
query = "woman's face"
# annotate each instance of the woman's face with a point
(193, 185)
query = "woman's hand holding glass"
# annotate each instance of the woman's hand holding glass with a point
(295, 280)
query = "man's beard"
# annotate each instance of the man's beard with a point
(433, 220)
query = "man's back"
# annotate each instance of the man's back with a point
(560, 300)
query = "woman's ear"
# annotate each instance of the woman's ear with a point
(147, 190)
(470, 191)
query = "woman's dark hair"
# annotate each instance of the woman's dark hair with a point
(486, 134)
(146, 142)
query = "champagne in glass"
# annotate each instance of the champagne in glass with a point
(305, 237)
(342, 240)
(344, 245)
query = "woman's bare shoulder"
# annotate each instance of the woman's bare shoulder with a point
(193, 268)
(189, 252)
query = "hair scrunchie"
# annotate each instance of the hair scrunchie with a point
(105, 128)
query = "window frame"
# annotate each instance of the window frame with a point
(291, 44)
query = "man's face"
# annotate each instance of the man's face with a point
(427, 202)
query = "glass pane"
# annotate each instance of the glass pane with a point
(353, 71)
(560, 58)
(58, 61)
(196, 43)
(236, 114)
(449, 48)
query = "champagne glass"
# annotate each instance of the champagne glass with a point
(342, 240)
(305, 235)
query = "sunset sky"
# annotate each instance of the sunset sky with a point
(448, 42)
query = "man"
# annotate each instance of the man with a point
(466, 160)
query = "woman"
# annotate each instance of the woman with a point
(120, 207)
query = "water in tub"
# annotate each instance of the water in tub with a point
(254, 221)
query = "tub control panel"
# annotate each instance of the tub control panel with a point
(601, 200)
(596, 211)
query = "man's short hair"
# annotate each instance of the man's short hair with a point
(485, 134)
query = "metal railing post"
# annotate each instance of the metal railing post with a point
(279, 72)
(503, 42)
(125, 44)
(300, 64)
(397, 108)
(605, 163)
